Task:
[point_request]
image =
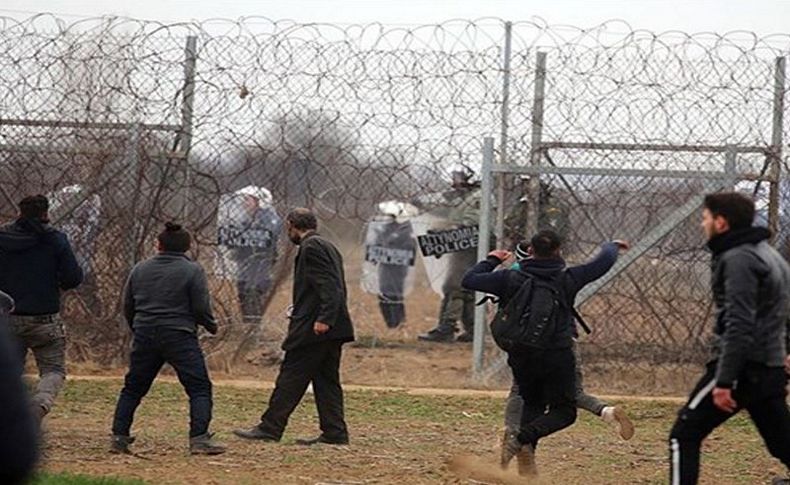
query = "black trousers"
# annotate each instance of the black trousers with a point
(319, 364)
(547, 383)
(251, 299)
(152, 348)
(760, 390)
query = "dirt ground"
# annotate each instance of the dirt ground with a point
(433, 437)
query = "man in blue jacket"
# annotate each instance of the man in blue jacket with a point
(546, 376)
(36, 265)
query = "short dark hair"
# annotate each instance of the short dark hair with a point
(736, 208)
(302, 219)
(34, 207)
(545, 243)
(174, 238)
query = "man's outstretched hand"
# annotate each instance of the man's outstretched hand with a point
(500, 254)
(622, 245)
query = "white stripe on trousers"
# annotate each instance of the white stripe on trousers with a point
(675, 461)
(701, 394)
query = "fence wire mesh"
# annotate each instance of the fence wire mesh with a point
(128, 123)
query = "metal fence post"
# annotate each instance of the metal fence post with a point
(776, 144)
(482, 250)
(132, 162)
(730, 165)
(505, 115)
(533, 209)
(187, 107)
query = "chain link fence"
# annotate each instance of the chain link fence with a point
(128, 124)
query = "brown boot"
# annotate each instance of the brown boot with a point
(510, 448)
(526, 461)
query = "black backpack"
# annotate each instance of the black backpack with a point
(531, 318)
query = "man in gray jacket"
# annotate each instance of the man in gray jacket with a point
(751, 290)
(165, 299)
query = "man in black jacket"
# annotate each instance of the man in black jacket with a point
(165, 299)
(18, 448)
(546, 376)
(751, 290)
(320, 325)
(37, 264)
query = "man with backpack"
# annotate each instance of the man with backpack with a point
(535, 326)
(612, 415)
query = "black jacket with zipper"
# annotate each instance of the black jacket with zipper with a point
(751, 290)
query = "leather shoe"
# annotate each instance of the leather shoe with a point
(322, 439)
(255, 433)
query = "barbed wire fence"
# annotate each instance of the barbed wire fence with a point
(146, 122)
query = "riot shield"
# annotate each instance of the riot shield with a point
(248, 230)
(388, 268)
(81, 224)
(447, 250)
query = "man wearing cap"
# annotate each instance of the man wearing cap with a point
(38, 264)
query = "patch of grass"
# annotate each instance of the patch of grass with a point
(73, 479)
(395, 437)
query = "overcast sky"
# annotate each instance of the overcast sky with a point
(760, 16)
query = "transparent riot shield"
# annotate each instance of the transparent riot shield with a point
(388, 268)
(78, 214)
(248, 237)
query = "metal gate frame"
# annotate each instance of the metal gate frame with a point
(540, 150)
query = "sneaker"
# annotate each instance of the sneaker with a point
(526, 461)
(617, 417)
(510, 448)
(205, 445)
(119, 444)
(437, 335)
(780, 481)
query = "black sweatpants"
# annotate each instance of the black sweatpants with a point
(320, 364)
(547, 384)
(760, 390)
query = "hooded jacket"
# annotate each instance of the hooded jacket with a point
(36, 264)
(504, 284)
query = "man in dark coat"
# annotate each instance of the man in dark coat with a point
(320, 325)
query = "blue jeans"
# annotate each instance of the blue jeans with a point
(152, 348)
